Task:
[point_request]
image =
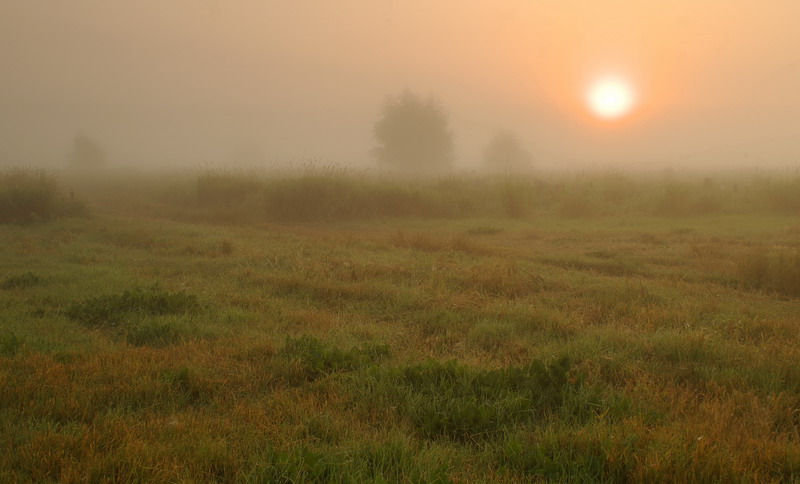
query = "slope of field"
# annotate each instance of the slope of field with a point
(135, 347)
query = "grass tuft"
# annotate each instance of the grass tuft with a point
(319, 358)
(465, 404)
(10, 343)
(111, 310)
(22, 281)
(778, 272)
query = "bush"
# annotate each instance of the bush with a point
(28, 195)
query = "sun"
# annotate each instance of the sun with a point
(610, 98)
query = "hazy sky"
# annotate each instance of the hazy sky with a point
(213, 81)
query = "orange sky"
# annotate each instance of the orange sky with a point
(204, 81)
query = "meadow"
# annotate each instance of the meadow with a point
(325, 325)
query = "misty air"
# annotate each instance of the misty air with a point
(380, 241)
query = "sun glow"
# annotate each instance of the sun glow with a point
(610, 98)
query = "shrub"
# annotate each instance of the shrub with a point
(110, 310)
(28, 195)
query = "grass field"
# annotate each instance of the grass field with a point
(173, 335)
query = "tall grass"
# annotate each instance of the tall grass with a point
(772, 271)
(331, 193)
(30, 195)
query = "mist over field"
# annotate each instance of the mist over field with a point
(358, 241)
(197, 82)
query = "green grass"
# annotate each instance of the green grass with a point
(178, 335)
(26, 280)
(110, 310)
(464, 404)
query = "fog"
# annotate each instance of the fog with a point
(191, 82)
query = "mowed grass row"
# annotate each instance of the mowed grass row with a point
(138, 348)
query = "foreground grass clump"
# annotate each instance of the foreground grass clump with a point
(111, 310)
(9, 343)
(388, 462)
(29, 195)
(465, 404)
(22, 281)
(319, 358)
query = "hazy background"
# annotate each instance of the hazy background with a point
(185, 82)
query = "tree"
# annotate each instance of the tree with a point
(86, 153)
(413, 134)
(505, 153)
